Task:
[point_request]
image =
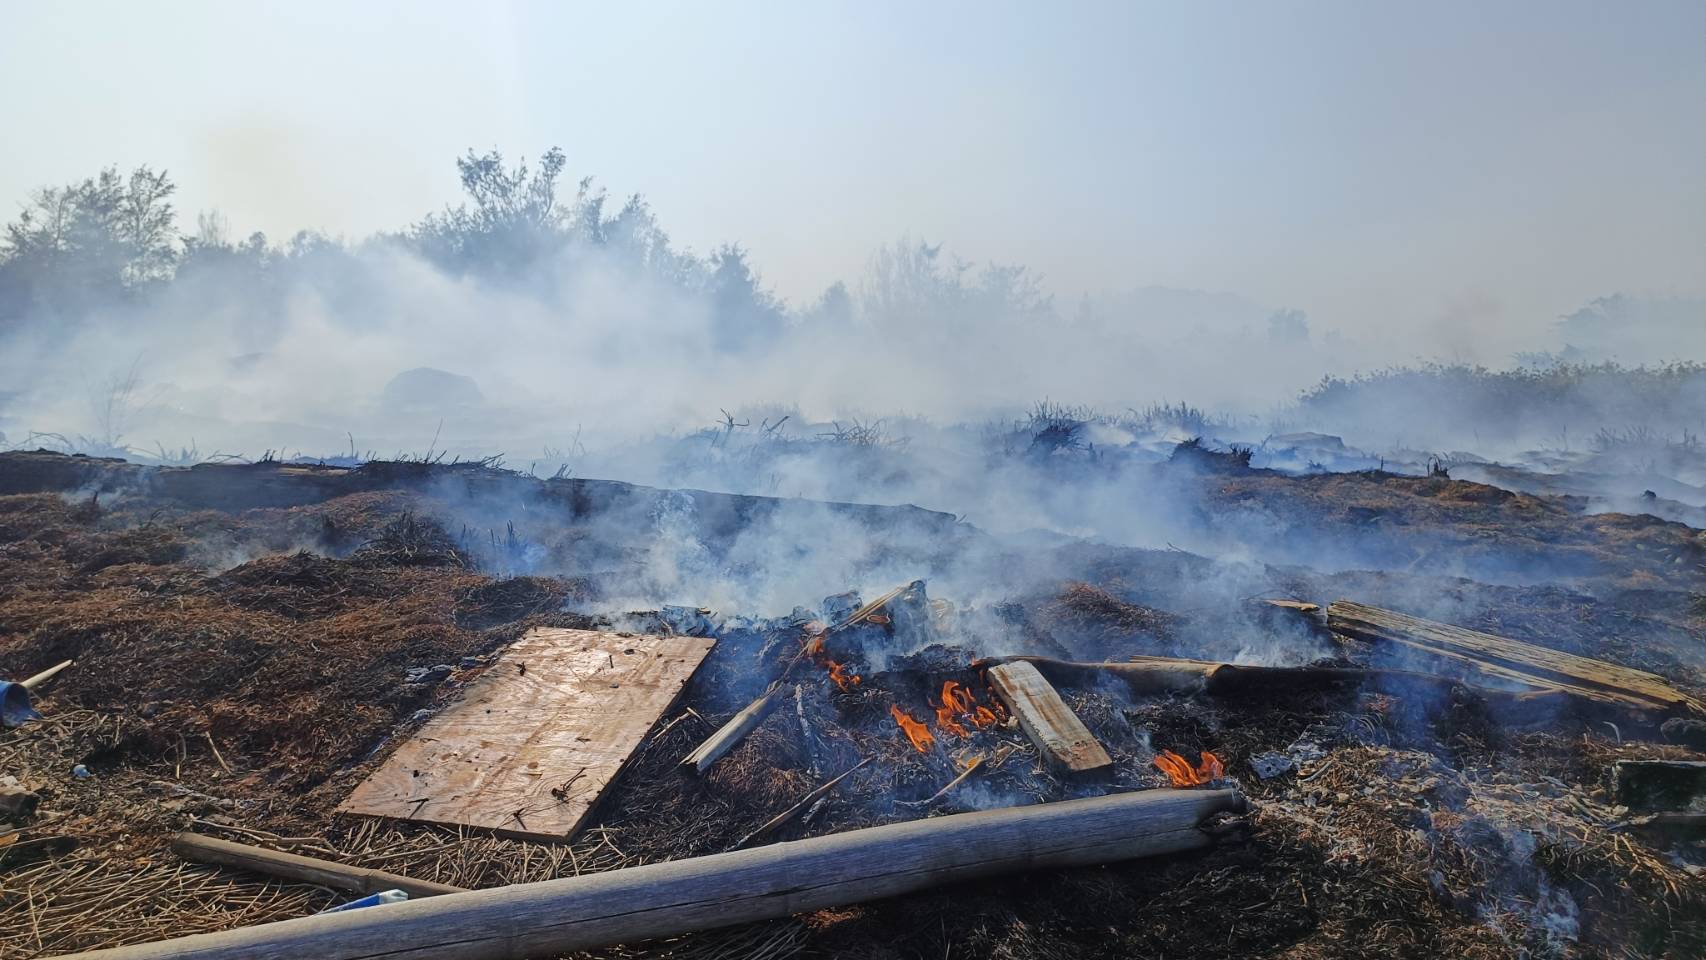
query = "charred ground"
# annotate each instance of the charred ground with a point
(245, 638)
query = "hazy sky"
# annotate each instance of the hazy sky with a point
(1461, 166)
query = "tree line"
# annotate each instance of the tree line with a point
(113, 240)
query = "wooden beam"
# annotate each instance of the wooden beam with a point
(673, 898)
(1063, 739)
(532, 744)
(1165, 675)
(290, 866)
(1512, 660)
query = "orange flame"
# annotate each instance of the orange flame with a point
(843, 679)
(922, 739)
(838, 672)
(945, 721)
(959, 702)
(957, 698)
(1180, 771)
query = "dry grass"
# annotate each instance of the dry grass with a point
(1447, 840)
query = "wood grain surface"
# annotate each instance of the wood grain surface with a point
(561, 710)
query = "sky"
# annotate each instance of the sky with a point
(1461, 169)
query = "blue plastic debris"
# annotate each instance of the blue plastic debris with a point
(371, 900)
(15, 707)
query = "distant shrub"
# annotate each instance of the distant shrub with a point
(1439, 405)
(1195, 453)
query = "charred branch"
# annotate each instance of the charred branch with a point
(290, 866)
(730, 734)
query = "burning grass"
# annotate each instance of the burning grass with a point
(1180, 772)
(246, 698)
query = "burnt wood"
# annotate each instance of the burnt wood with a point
(730, 734)
(1063, 739)
(290, 866)
(1511, 660)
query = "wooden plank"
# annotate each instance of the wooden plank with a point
(676, 897)
(561, 710)
(1513, 660)
(1046, 719)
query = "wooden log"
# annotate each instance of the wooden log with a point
(1658, 784)
(1165, 675)
(290, 866)
(732, 733)
(1063, 739)
(673, 898)
(1512, 660)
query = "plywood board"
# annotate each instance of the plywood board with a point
(1046, 719)
(1513, 660)
(561, 710)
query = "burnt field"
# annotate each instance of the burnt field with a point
(251, 642)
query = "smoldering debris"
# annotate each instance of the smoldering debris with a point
(1398, 817)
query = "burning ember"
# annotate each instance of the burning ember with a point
(945, 721)
(959, 702)
(920, 735)
(838, 672)
(1180, 771)
(843, 679)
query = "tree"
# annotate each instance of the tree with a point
(743, 313)
(514, 219)
(103, 238)
(833, 309)
(911, 283)
(1288, 326)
